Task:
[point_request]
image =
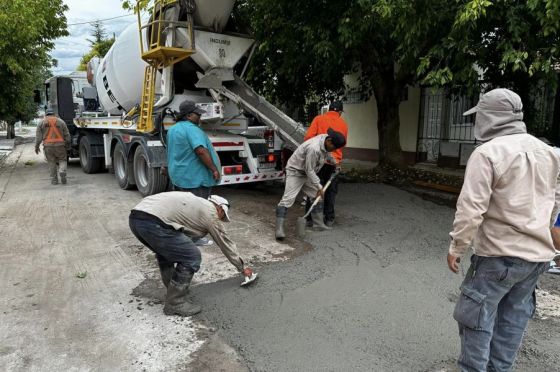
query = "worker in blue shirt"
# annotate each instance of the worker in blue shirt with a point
(192, 161)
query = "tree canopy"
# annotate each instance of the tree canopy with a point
(305, 50)
(27, 31)
(100, 45)
(513, 44)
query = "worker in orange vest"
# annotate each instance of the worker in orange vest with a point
(320, 125)
(55, 136)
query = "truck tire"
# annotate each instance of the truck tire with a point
(121, 167)
(89, 164)
(149, 181)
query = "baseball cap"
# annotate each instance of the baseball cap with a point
(222, 202)
(337, 138)
(498, 100)
(186, 107)
(336, 106)
(49, 112)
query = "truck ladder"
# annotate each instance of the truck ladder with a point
(145, 123)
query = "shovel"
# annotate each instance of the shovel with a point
(301, 221)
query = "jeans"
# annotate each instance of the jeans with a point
(497, 300)
(170, 246)
(202, 191)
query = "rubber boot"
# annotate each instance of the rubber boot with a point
(63, 178)
(280, 218)
(318, 218)
(166, 271)
(176, 302)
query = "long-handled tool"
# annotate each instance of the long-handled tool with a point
(301, 221)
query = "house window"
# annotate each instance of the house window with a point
(353, 96)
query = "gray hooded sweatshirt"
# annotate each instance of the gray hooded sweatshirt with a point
(510, 196)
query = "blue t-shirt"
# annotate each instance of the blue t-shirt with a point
(557, 223)
(184, 166)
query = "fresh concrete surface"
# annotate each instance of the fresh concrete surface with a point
(374, 294)
(52, 320)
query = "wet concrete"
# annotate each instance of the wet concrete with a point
(79, 292)
(374, 294)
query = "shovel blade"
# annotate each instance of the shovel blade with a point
(300, 227)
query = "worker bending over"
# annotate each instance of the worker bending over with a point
(168, 223)
(301, 173)
(329, 120)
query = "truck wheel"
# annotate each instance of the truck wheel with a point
(148, 180)
(87, 161)
(121, 167)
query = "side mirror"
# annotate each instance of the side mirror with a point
(36, 96)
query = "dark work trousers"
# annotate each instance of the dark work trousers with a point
(325, 174)
(170, 246)
(202, 191)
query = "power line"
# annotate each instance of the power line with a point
(99, 20)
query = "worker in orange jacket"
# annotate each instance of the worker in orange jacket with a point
(320, 125)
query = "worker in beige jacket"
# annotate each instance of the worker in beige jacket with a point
(169, 224)
(507, 206)
(301, 174)
(54, 135)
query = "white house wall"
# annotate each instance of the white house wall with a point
(363, 139)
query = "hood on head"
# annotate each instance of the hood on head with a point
(498, 113)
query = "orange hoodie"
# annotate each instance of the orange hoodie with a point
(322, 123)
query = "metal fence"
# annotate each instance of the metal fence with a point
(441, 120)
(541, 115)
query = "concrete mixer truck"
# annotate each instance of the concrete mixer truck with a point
(184, 50)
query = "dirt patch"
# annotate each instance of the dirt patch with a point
(401, 177)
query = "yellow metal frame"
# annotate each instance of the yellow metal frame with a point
(157, 53)
(158, 56)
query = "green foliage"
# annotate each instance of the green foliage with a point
(136, 5)
(305, 50)
(27, 31)
(98, 33)
(100, 45)
(504, 43)
(507, 40)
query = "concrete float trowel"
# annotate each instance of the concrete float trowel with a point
(249, 276)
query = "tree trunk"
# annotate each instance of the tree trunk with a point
(11, 130)
(388, 98)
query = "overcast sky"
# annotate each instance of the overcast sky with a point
(69, 50)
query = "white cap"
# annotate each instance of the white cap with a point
(222, 202)
(500, 100)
